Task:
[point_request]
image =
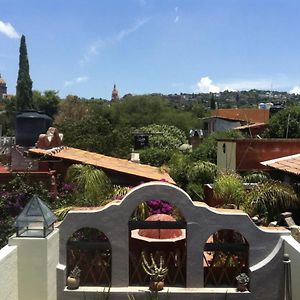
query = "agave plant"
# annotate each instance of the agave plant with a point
(270, 198)
(92, 183)
(256, 177)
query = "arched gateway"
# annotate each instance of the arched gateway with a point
(263, 246)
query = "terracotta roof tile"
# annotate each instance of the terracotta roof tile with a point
(290, 164)
(250, 115)
(106, 162)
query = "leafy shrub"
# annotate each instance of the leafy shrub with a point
(230, 188)
(164, 136)
(155, 156)
(179, 165)
(202, 172)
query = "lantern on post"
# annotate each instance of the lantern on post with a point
(36, 219)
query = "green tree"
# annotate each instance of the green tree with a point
(164, 136)
(285, 123)
(94, 187)
(47, 102)
(24, 82)
(213, 105)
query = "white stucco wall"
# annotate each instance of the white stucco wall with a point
(226, 161)
(8, 273)
(37, 260)
(292, 248)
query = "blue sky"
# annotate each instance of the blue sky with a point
(83, 47)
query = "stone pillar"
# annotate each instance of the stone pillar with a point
(37, 260)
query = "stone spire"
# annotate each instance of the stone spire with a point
(115, 94)
(3, 87)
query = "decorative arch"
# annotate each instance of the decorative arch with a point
(225, 256)
(157, 228)
(90, 250)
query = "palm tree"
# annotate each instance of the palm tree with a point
(270, 198)
(93, 185)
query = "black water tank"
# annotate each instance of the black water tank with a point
(29, 125)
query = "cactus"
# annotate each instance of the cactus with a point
(156, 273)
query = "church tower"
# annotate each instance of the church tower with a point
(3, 88)
(115, 94)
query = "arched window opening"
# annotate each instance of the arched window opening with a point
(90, 250)
(157, 227)
(225, 256)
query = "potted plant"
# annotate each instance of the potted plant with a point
(243, 280)
(74, 278)
(157, 273)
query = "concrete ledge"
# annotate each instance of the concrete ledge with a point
(142, 292)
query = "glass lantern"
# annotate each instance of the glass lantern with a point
(36, 219)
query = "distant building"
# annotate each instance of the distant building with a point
(115, 94)
(225, 119)
(3, 88)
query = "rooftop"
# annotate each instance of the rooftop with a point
(249, 115)
(290, 164)
(106, 162)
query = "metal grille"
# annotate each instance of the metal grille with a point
(175, 260)
(94, 260)
(223, 262)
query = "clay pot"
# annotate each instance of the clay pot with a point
(73, 283)
(156, 285)
(242, 287)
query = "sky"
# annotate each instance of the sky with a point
(82, 47)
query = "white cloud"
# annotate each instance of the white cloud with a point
(9, 30)
(205, 85)
(76, 80)
(295, 90)
(95, 48)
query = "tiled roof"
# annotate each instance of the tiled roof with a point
(255, 125)
(290, 164)
(250, 115)
(106, 162)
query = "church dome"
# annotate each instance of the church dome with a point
(160, 233)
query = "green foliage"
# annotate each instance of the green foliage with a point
(88, 126)
(270, 198)
(285, 123)
(164, 136)
(195, 191)
(208, 149)
(24, 83)
(212, 102)
(144, 110)
(255, 177)
(230, 188)
(155, 156)
(179, 165)
(202, 172)
(94, 187)
(47, 102)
